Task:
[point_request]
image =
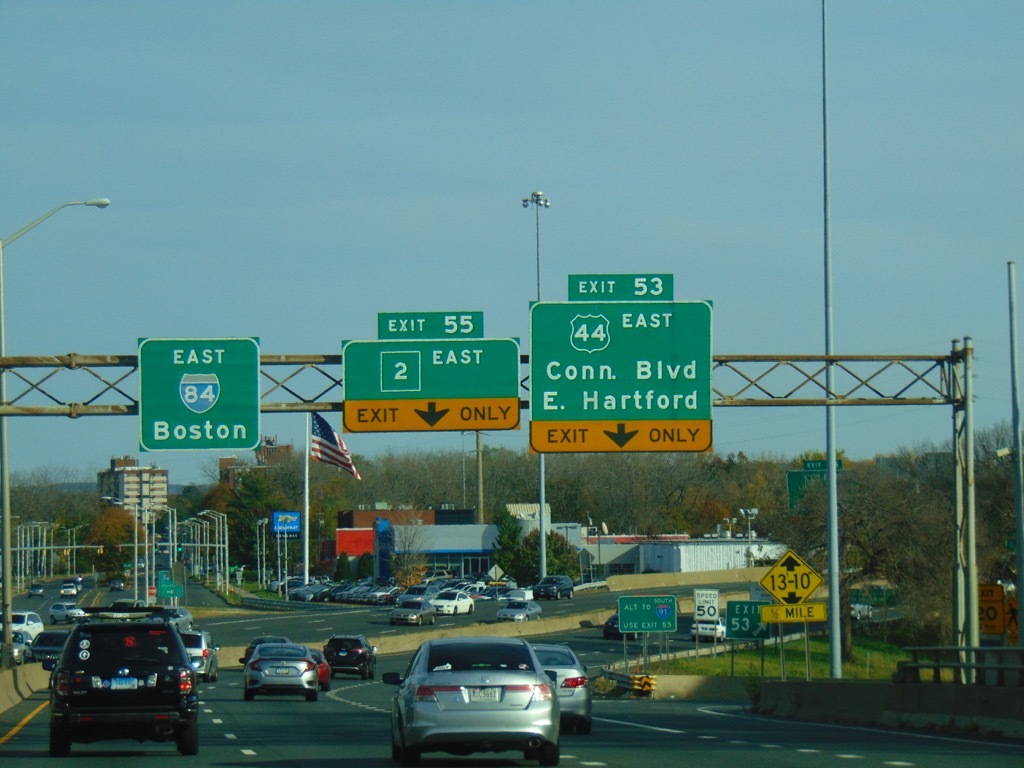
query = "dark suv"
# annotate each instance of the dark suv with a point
(351, 653)
(553, 588)
(123, 675)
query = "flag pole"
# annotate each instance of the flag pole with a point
(305, 501)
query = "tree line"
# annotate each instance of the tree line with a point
(896, 513)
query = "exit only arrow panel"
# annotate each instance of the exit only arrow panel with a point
(431, 385)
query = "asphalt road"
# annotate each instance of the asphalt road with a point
(349, 726)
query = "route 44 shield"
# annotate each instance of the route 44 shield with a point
(590, 333)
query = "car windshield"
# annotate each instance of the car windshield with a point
(555, 656)
(275, 651)
(50, 638)
(343, 643)
(460, 657)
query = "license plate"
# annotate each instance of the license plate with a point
(282, 670)
(124, 684)
(484, 694)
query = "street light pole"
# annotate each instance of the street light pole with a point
(750, 514)
(538, 201)
(7, 609)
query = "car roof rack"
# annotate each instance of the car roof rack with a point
(128, 613)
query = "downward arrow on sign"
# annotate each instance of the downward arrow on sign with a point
(432, 415)
(620, 436)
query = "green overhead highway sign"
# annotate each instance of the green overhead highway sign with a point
(430, 325)
(199, 394)
(620, 287)
(620, 376)
(431, 385)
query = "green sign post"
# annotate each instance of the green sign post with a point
(655, 613)
(199, 394)
(439, 384)
(620, 376)
(743, 620)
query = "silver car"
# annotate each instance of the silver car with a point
(20, 643)
(519, 610)
(412, 610)
(573, 686)
(202, 653)
(280, 668)
(474, 694)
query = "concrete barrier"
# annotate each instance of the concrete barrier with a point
(20, 683)
(966, 708)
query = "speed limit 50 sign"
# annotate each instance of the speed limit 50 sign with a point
(705, 604)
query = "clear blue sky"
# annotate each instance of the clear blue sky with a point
(289, 170)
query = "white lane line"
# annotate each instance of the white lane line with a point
(230, 736)
(249, 752)
(899, 763)
(639, 725)
(850, 757)
(217, 721)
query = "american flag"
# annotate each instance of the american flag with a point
(329, 448)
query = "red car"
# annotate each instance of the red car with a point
(323, 669)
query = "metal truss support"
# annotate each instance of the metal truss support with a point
(77, 385)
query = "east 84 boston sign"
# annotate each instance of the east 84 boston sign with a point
(199, 394)
(620, 376)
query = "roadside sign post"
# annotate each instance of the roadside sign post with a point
(643, 615)
(743, 622)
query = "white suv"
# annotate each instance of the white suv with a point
(27, 622)
(708, 630)
(65, 613)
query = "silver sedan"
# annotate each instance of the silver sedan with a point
(474, 694)
(573, 686)
(281, 668)
(519, 610)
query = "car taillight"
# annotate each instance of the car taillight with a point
(62, 683)
(427, 692)
(537, 692)
(186, 681)
(575, 682)
(206, 653)
(254, 666)
(310, 666)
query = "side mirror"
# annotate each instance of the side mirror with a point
(49, 664)
(241, 661)
(391, 678)
(373, 648)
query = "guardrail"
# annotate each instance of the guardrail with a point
(1001, 667)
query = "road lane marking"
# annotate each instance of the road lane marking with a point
(639, 725)
(25, 720)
